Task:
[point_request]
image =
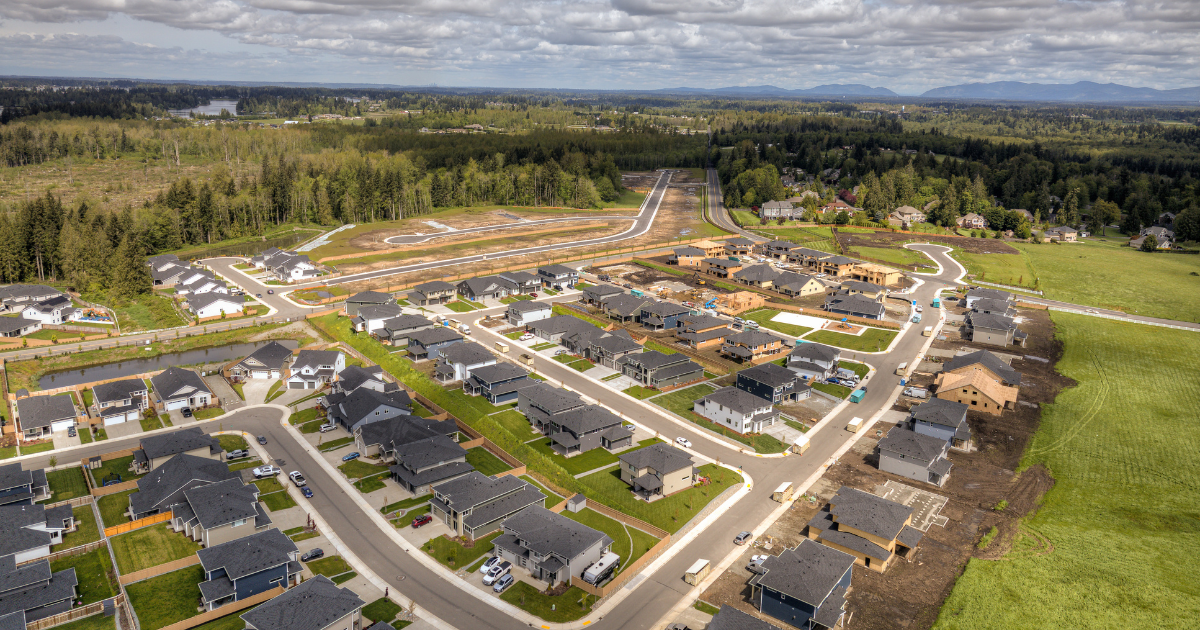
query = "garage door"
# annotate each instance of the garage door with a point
(258, 374)
(62, 426)
(297, 385)
(177, 404)
(111, 420)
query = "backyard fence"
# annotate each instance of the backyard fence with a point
(73, 551)
(224, 611)
(154, 571)
(75, 614)
(116, 530)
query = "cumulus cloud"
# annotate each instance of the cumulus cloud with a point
(907, 45)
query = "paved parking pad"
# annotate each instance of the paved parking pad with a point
(927, 507)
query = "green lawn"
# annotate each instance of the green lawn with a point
(566, 607)
(382, 609)
(515, 423)
(744, 217)
(150, 423)
(410, 502)
(860, 369)
(894, 255)
(208, 413)
(654, 345)
(706, 607)
(150, 546)
(311, 427)
(243, 464)
(478, 403)
(100, 622)
(485, 462)
(578, 363)
(357, 469)
(1120, 446)
(763, 317)
(669, 513)
(545, 345)
(584, 462)
(233, 443)
(454, 555)
(628, 542)
(277, 501)
(833, 390)
(329, 566)
(460, 306)
(641, 392)
(86, 529)
(552, 498)
(113, 508)
(97, 580)
(118, 466)
(333, 445)
(1107, 274)
(612, 377)
(34, 449)
(681, 402)
(275, 391)
(268, 485)
(367, 485)
(67, 483)
(872, 339)
(163, 600)
(232, 621)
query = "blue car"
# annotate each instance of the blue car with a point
(350, 456)
(307, 492)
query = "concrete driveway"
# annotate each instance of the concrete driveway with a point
(62, 441)
(224, 391)
(124, 429)
(256, 390)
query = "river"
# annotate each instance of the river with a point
(218, 354)
(213, 108)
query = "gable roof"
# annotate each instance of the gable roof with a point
(435, 335)
(993, 294)
(204, 300)
(400, 430)
(815, 352)
(869, 513)
(740, 401)
(858, 285)
(222, 502)
(653, 359)
(551, 399)
(752, 338)
(272, 356)
(406, 322)
(315, 358)
(556, 270)
(173, 383)
(434, 286)
(771, 374)
(988, 360)
(990, 320)
(313, 605)
(248, 555)
(659, 456)
(546, 533)
(432, 451)
(978, 379)
(925, 449)
(354, 376)
(477, 488)
(730, 618)
(379, 311)
(42, 411)
(624, 304)
(528, 306)
(16, 533)
(13, 324)
(587, 419)
(176, 442)
(117, 390)
(757, 273)
(798, 280)
(501, 371)
(688, 251)
(466, 353)
(739, 241)
(855, 303)
(164, 485)
(941, 411)
(362, 401)
(561, 324)
(371, 297)
(808, 573)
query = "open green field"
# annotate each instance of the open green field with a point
(763, 317)
(1107, 274)
(894, 255)
(872, 339)
(628, 199)
(1121, 446)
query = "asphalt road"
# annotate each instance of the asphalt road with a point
(717, 212)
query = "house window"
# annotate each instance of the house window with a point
(239, 522)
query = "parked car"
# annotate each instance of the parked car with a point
(627, 285)
(349, 456)
(533, 295)
(186, 411)
(257, 295)
(496, 572)
(503, 583)
(71, 432)
(326, 428)
(422, 520)
(742, 538)
(559, 352)
(266, 471)
(491, 562)
(270, 291)
(920, 308)
(297, 478)
(559, 287)
(313, 554)
(526, 337)
(845, 382)
(262, 440)
(238, 454)
(630, 427)
(307, 492)
(684, 442)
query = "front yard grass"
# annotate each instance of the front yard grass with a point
(86, 529)
(485, 462)
(277, 501)
(580, 364)
(150, 546)
(763, 317)
(545, 345)
(411, 502)
(872, 339)
(149, 423)
(113, 507)
(861, 369)
(669, 513)
(454, 555)
(93, 570)
(268, 485)
(641, 393)
(555, 609)
(34, 449)
(166, 599)
(329, 566)
(839, 391)
(67, 483)
(458, 306)
(232, 443)
(628, 542)
(357, 469)
(382, 609)
(333, 445)
(367, 485)
(208, 413)
(584, 462)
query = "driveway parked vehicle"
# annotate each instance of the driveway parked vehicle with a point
(326, 428)
(186, 411)
(422, 520)
(491, 562)
(503, 583)
(266, 471)
(297, 478)
(313, 555)
(496, 572)
(238, 454)
(559, 352)
(350, 456)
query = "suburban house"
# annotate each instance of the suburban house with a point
(776, 210)
(18, 326)
(354, 377)
(395, 331)
(553, 329)
(474, 505)
(32, 591)
(289, 266)
(119, 401)
(974, 388)
(943, 419)
(598, 293)
(582, 429)
(798, 285)
(1162, 235)
(866, 289)
(177, 388)
(662, 315)
(875, 274)
(687, 257)
(541, 402)
(915, 455)
(730, 618)
(760, 276)
(268, 362)
(22, 486)
(206, 305)
(721, 267)
(908, 215)
(421, 464)
(366, 298)
(807, 257)
(871, 528)
(521, 282)
(738, 246)
(523, 312)
(550, 546)
(314, 369)
(429, 343)
(773, 383)
(28, 530)
(991, 364)
(430, 293)
(204, 282)
(162, 490)
(701, 331)
(995, 330)
(456, 361)
(155, 450)
(485, 288)
(370, 318)
(660, 371)
(317, 604)
(854, 305)
(625, 307)
(751, 345)
(245, 567)
(974, 295)
(53, 310)
(169, 273)
(381, 439)
(558, 275)
(836, 266)
(804, 587)
(657, 471)
(710, 248)
(737, 410)
(364, 406)
(497, 383)
(814, 361)
(972, 221)
(39, 416)
(14, 296)
(995, 307)
(219, 512)
(1061, 234)
(600, 346)
(779, 250)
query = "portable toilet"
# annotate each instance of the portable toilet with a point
(783, 493)
(937, 302)
(697, 572)
(855, 425)
(857, 395)
(800, 445)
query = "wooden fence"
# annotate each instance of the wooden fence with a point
(116, 530)
(224, 611)
(103, 491)
(74, 503)
(73, 551)
(75, 614)
(166, 567)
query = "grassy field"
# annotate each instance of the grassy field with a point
(872, 340)
(515, 423)
(763, 317)
(894, 255)
(277, 501)
(1121, 446)
(485, 462)
(453, 554)
(113, 508)
(150, 546)
(669, 513)
(628, 542)
(93, 569)
(163, 600)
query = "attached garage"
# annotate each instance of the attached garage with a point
(62, 425)
(176, 404)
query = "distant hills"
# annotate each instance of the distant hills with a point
(1083, 91)
(852, 89)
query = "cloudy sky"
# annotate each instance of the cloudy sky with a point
(906, 45)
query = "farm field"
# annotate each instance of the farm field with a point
(1106, 274)
(1117, 477)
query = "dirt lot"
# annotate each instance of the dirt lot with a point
(910, 593)
(890, 239)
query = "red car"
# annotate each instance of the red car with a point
(423, 519)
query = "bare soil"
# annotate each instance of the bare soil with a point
(375, 240)
(895, 240)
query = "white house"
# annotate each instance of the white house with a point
(525, 312)
(313, 369)
(457, 361)
(207, 305)
(371, 317)
(737, 410)
(55, 310)
(814, 361)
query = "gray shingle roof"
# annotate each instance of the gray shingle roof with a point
(118, 390)
(677, 370)
(551, 399)
(795, 280)
(13, 324)
(16, 621)
(272, 356)
(688, 251)
(730, 618)
(42, 411)
(990, 320)
(991, 294)
(770, 374)
(815, 352)
(912, 445)
(941, 411)
(432, 451)
(431, 476)
(661, 457)
(315, 358)
(223, 502)
(398, 431)
(181, 441)
(202, 300)
(808, 573)
(853, 304)
(868, 287)
(249, 554)
(370, 297)
(987, 360)
(477, 488)
(757, 273)
(435, 335)
(528, 306)
(313, 605)
(27, 292)
(869, 513)
(11, 476)
(468, 353)
(363, 401)
(738, 400)
(172, 382)
(547, 533)
(354, 376)
(15, 533)
(557, 270)
(752, 338)
(624, 304)
(53, 588)
(434, 286)
(587, 419)
(164, 486)
(653, 359)
(499, 372)
(380, 311)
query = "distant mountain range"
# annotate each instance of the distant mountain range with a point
(1083, 91)
(853, 89)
